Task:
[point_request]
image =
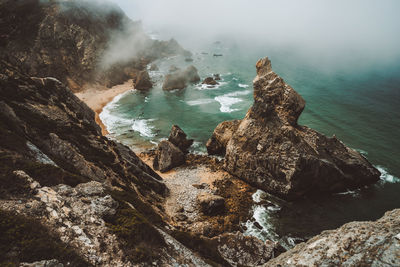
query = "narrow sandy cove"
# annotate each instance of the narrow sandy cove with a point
(97, 96)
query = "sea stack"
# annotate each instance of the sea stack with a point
(271, 151)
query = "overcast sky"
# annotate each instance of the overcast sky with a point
(367, 29)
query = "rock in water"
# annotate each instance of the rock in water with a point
(167, 157)
(180, 79)
(353, 244)
(142, 81)
(222, 134)
(178, 138)
(271, 151)
(210, 81)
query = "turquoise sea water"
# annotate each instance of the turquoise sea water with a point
(360, 106)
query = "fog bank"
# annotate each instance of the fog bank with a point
(363, 31)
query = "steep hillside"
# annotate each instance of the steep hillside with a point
(73, 41)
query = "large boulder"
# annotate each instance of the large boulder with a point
(272, 152)
(222, 134)
(179, 79)
(178, 138)
(142, 81)
(168, 156)
(354, 244)
(211, 204)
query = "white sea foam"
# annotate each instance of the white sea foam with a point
(143, 127)
(210, 87)
(387, 177)
(111, 121)
(258, 195)
(200, 102)
(228, 100)
(243, 85)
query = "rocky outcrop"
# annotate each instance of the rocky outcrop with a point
(210, 81)
(216, 145)
(168, 156)
(178, 138)
(58, 168)
(179, 79)
(211, 204)
(354, 244)
(73, 41)
(143, 81)
(271, 151)
(241, 250)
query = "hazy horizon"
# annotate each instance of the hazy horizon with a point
(350, 33)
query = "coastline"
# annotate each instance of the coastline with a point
(97, 97)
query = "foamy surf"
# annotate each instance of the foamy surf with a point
(228, 100)
(386, 176)
(243, 85)
(143, 127)
(112, 121)
(200, 102)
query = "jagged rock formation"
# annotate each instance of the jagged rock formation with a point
(216, 145)
(142, 81)
(271, 151)
(178, 138)
(168, 156)
(354, 244)
(179, 79)
(57, 168)
(72, 40)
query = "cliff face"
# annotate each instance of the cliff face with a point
(72, 40)
(354, 244)
(271, 151)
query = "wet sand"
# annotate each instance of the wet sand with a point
(96, 97)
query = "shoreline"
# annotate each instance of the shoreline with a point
(97, 97)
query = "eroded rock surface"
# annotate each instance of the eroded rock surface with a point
(216, 145)
(143, 81)
(354, 244)
(178, 137)
(271, 151)
(168, 156)
(211, 204)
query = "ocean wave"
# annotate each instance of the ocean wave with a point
(228, 100)
(143, 127)
(386, 176)
(111, 121)
(200, 102)
(243, 85)
(210, 87)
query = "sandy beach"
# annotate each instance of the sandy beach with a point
(96, 97)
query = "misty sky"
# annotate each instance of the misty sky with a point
(362, 29)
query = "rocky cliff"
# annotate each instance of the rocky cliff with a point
(77, 42)
(354, 244)
(271, 151)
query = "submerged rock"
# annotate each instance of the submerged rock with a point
(353, 244)
(179, 79)
(142, 81)
(222, 134)
(271, 151)
(167, 157)
(178, 138)
(211, 204)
